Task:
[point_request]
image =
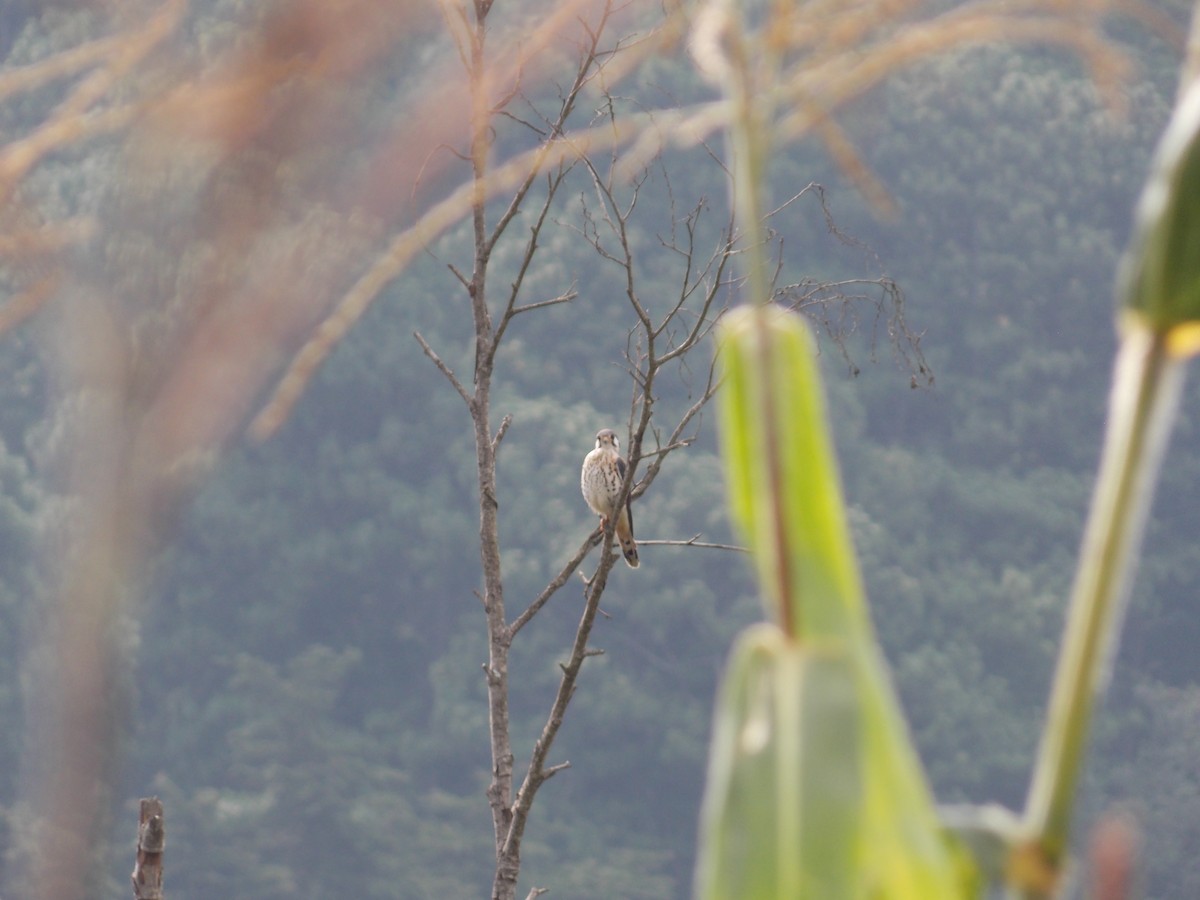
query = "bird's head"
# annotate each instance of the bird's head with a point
(606, 437)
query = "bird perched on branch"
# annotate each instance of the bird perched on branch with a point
(600, 480)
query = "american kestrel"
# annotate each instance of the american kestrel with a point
(600, 480)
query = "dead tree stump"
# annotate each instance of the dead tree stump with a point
(152, 838)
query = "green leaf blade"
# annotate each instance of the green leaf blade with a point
(1160, 274)
(784, 786)
(813, 791)
(784, 486)
(814, 787)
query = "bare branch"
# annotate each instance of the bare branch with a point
(489, 673)
(587, 61)
(459, 26)
(695, 542)
(663, 451)
(500, 432)
(444, 369)
(703, 322)
(462, 279)
(535, 775)
(566, 297)
(513, 117)
(675, 438)
(553, 182)
(834, 307)
(563, 576)
(617, 218)
(811, 186)
(514, 91)
(518, 199)
(436, 220)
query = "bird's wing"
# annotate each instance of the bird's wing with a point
(621, 467)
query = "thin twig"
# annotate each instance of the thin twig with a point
(500, 432)
(444, 369)
(566, 297)
(685, 420)
(566, 107)
(553, 182)
(693, 542)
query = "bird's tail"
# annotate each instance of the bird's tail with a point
(625, 539)
(629, 548)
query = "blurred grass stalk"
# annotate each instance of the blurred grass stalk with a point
(1160, 331)
(1142, 407)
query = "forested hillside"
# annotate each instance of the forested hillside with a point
(306, 685)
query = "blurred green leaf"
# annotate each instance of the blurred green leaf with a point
(1161, 273)
(784, 786)
(783, 483)
(814, 788)
(903, 851)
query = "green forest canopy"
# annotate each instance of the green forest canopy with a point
(315, 719)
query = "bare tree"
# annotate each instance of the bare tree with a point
(669, 333)
(654, 344)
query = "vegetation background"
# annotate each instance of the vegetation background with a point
(306, 693)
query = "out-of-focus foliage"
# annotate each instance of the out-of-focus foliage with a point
(1161, 284)
(813, 788)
